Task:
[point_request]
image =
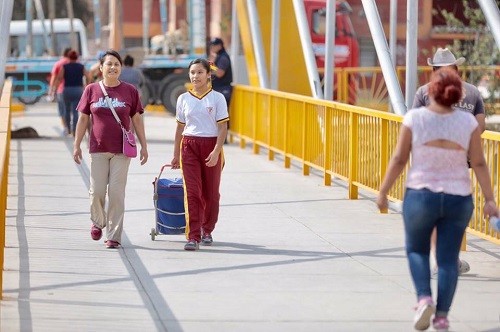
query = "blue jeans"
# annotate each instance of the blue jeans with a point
(450, 214)
(71, 95)
(60, 104)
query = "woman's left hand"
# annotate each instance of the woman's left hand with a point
(144, 156)
(490, 209)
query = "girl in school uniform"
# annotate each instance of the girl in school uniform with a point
(202, 118)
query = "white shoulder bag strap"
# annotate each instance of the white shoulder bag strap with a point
(108, 100)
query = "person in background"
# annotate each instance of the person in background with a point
(222, 74)
(438, 190)
(471, 102)
(202, 117)
(95, 71)
(130, 74)
(108, 165)
(75, 77)
(56, 92)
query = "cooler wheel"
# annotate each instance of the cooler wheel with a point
(153, 234)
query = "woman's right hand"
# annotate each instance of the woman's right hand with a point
(382, 202)
(175, 163)
(490, 209)
(77, 154)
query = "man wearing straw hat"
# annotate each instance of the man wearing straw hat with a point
(471, 102)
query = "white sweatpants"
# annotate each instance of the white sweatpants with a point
(108, 171)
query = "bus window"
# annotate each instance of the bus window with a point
(63, 40)
(18, 48)
(18, 38)
(18, 45)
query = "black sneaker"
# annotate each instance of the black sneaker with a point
(191, 245)
(207, 240)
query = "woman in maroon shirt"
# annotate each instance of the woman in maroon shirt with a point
(108, 165)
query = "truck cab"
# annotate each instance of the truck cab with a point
(346, 43)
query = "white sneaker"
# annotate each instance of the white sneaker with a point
(425, 309)
(463, 267)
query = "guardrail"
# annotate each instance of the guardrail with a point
(5, 102)
(366, 87)
(348, 142)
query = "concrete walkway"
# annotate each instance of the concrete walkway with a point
(289, 255)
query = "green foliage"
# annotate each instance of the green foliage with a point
(80, 9)
(479, 49)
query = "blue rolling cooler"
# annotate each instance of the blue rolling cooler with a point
(168, 199)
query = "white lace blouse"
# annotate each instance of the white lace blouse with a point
(439, 169)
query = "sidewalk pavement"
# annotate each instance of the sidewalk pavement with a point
(289, 254)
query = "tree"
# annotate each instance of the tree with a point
(479, 48)
(81, 10)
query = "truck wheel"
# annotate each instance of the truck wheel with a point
(147, 93)
(29, 100)
(171, 92)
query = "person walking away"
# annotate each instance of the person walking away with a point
(95, 71)
(75, 77)
(223, 74)
(108, 165)
(132, 75)
(56, 92)
(202, 117)
(438, 190)
(471, 102)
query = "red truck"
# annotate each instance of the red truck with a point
(346, 43)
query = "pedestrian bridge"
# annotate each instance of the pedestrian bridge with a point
(291, 252)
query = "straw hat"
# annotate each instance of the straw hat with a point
(443, 57)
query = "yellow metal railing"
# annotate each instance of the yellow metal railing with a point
(348, 142)
(365, 86)
(5, 104)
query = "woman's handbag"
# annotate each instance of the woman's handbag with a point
(129, 146)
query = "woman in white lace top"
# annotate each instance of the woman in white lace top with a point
(438, 191)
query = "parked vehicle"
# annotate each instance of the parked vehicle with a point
(165, 64)
(32, 74)
(346, 43)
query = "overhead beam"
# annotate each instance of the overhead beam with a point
(330, 50)
(5, 16)
(258, 45)
(307, 49)
(411, 51)
(492, 14)
(384, 56)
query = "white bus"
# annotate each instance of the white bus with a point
(32, 74)
(19, 30)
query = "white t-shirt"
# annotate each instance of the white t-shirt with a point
(201, 114)
(434, 168)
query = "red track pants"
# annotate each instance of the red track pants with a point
(201, 185)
